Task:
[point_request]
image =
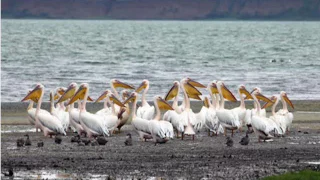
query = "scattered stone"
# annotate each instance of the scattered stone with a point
(58, 140)
(229, 142)
(102, 140)
(20, 142)
(10, 172)
(40, 144)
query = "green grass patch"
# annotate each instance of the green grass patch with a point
(301, 175)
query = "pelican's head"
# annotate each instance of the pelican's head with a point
(191, 91)
(212, 86)
(285, 97)
(103, 95)
(69, 92)
(226, 93)
(80, 93)
(243, 90)
(35, 94)
(114, 99)
(254, 89)
(58, 93)
(259, 96)
(132, 97)
(116, 83)
(173, 92)
(143, 85)
(125, 94)
(162, 104)
(273, 99)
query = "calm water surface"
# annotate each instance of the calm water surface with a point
(57, 52)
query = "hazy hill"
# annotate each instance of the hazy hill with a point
(162, 9)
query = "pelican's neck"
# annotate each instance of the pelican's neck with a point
(115, 92)
(112, 105)
(158, 113)
(143, 98)
(105, 104)
(284, 104)
(39, 103)
(79, 104)
(242, 104)
(30, 106)
(62, 106)
(221, 98)
(51, 103)
(212, 104)
(134, 107)
(84, 102)
(257, 103)
(217, 101)
(186, 100)
(274, 107)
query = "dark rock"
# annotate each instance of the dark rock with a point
(229, 142)
(40, 144)
(20, 142)
(102, 140)
(58, 140)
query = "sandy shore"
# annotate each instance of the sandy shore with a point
(206, 157)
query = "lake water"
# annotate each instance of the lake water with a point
(58, 52)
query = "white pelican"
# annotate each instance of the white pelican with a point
(279, 119)
(145, 111)
(254, 110)
(241, 110)
(93, 124)
(139, 124)
(229, 119)
(188, 118)
(32, 111)
(106, 110)
(125, 116)
(111, 118)
(284, 110)
(173, 116)
(211, 118)
(60, 110)
(262, 126)
(49, 124)
(160, 128)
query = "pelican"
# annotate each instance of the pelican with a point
(262, 126)
(211, 119)
(284, 110)
(173, 116)
(145, 111)
(105, 110)
(93, 124)
(188, 118)
(60, 110)
(229, 119)
(32, 111)
(73, 112)
(279, 119)
(254, 110)
(160, 128)
(241, 110)
(111, 118)
(116, 84)
(139, 124)
(49, 124)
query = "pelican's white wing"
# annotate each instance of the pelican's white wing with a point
(51, 122)
(94, 122)
(200, 118)
(228, 118)
(141, 125)
(175, 119)
(212, 121)
(146, 112)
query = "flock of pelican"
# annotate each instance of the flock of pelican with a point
(146, 119)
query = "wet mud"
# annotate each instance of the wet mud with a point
(205, 157)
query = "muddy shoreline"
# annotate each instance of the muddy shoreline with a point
(206, 157)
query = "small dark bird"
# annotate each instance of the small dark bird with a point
(58, 140)
(28, 141)
(128, 141)
(229, 142)
(86, 141)
(245, 140)
(160, 141)
(94, 143)
(20, 142)
(102, 140)
(10, 173)
(40, 144)
(75, 138)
